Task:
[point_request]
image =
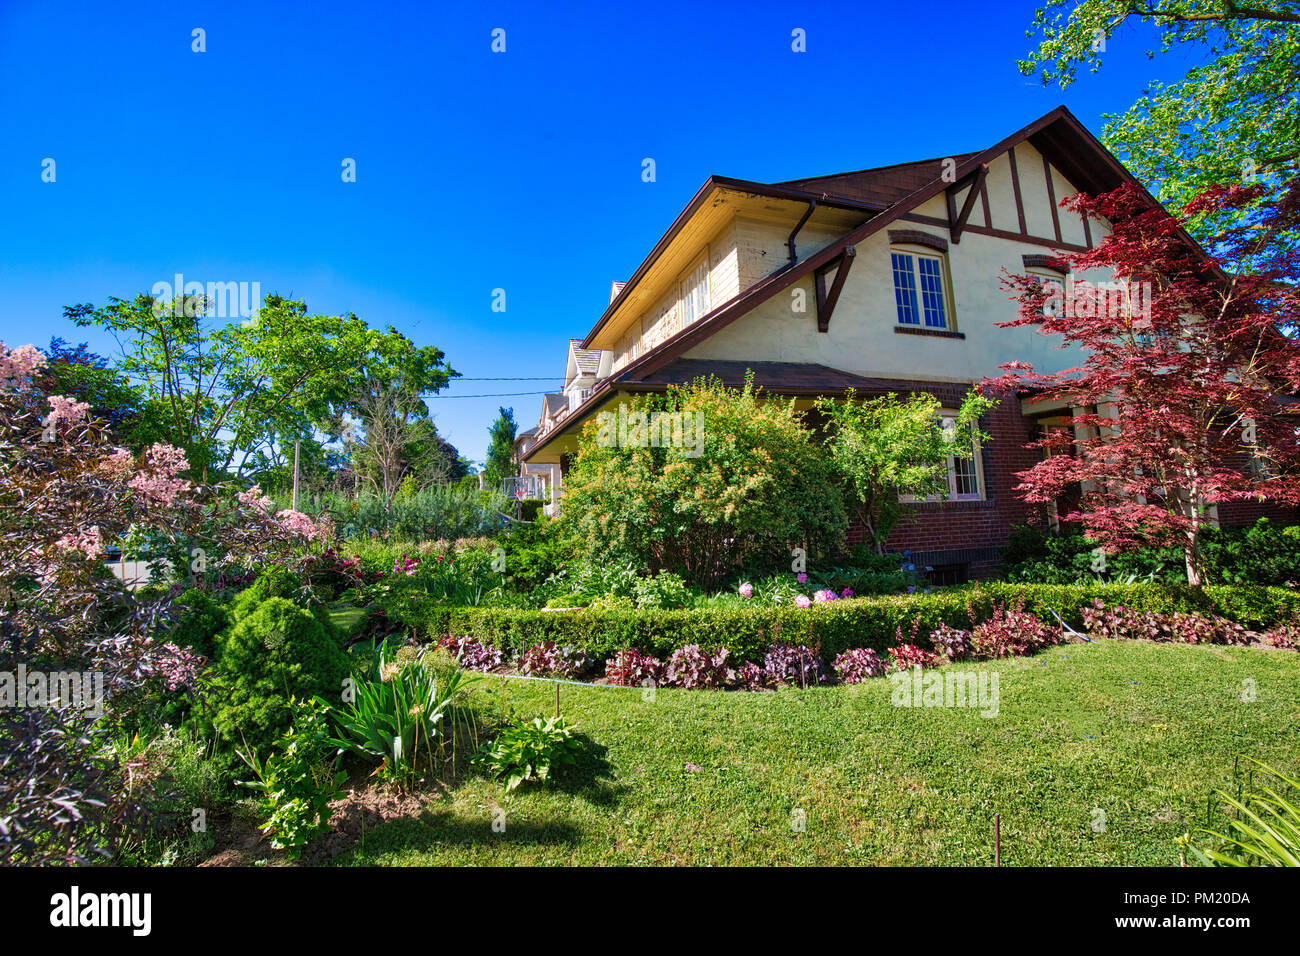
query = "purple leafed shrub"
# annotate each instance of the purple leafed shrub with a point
(1125, 624)
(631, 668)
(856, 665)
(749, 676)
(797, 665)
(549, 659)
(691, 667)
(1285, 636)
(1011, 632)
(906, 656)
(473, 655)
(950, 642)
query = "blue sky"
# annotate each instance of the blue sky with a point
(475, 170)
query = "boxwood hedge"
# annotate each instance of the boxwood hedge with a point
(835, 626)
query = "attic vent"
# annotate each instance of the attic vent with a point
(615, 288)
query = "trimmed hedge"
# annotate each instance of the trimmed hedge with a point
(836, 626)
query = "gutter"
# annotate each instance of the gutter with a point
(789, 243)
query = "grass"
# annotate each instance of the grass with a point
(1141, 732)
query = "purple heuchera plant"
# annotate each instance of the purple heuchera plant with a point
(691, 667)
(856, 665)
(950, 642)
(551, 660)
(630, 668)
(784, 662)
(749, 676)
(473, 655)
(1125, 623)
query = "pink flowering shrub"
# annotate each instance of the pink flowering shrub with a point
(825, 594)
(630, 668)
(906, 656)
(746, 590)
(798, 665)
(549, 659)
(692, 668)
(802, 600)
(856, 665)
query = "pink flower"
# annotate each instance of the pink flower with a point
(88, 541)
(17, 366)
(847, 593)
(158, 483)
(747, 590)
(297, 523)
(801, 578)
(825, 594)
(253, 498)
(802, 600)
(67, 410)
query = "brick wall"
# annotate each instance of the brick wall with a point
(971, 532)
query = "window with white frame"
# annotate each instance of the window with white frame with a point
(964, 475)
(694, 291)
(920, 289)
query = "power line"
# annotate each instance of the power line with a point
(494, 395)
(535, 378)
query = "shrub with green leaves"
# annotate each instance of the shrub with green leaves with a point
(201, 620)
(297, 779)
(277, 653)
(757, 478)
(527, 751)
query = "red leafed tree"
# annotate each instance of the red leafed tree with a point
(1190, 366)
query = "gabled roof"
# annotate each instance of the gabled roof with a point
(888, 193)
(554, 402)
(882, 186)
(587, 360)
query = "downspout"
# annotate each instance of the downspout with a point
(789, 243)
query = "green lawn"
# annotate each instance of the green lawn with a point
(1139, 731)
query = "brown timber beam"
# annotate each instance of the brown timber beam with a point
(826, 300)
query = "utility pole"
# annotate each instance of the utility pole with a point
(296, 443)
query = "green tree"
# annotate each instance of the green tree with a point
(1232, 117)
(747, 481)
(501, 449)
(884, 448)
(229, 395)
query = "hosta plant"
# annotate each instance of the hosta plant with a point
(528, 750)
(856, 665)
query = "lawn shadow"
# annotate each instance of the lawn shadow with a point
(591, 776)
(437, 829)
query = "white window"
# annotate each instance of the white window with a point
(965, 476)
(694, 292)
(920, 289)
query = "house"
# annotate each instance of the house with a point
(884, 279)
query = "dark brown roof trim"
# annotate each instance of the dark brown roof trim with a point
(918, 238)
(1037, 261)
(717, 182)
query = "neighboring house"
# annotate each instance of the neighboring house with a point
(882, 280)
